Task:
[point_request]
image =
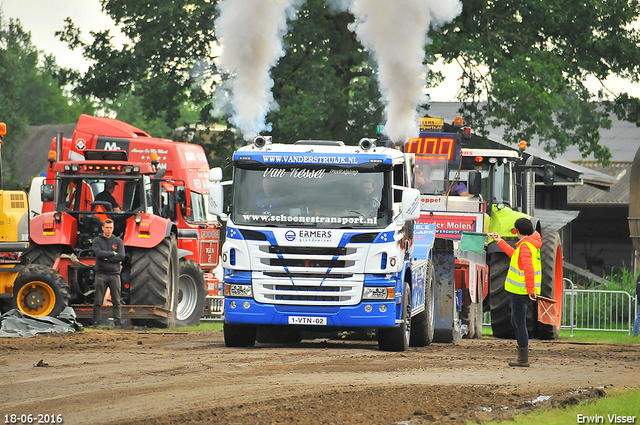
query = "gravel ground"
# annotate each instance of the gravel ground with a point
(140, 377)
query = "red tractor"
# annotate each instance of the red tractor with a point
(61, 238)
(180, 198)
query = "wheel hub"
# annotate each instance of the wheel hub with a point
(34, 300)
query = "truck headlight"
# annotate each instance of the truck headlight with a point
(235, 290)
(378, 293)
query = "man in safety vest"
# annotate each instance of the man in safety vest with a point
(523, 281)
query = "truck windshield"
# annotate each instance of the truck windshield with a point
(311, 197)
(496, 177)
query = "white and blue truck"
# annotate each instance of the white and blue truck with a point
(320, 238)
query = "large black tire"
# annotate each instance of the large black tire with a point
(471, 315)
(499, 301)
(479, 312)
(154, 279)
(44, 255)
(468, 317)
(552, 281)
(397, 338)
(239, 335)
(423, 324)
(192, 294)
(40, 291)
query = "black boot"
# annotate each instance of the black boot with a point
(523, 358)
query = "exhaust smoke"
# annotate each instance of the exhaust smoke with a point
(395, 33)
(250, 33)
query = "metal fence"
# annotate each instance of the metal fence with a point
(594, 310)
(597, 310)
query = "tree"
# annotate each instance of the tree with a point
(528, 59)
(31, 92)
(325, 84)
(171, 51)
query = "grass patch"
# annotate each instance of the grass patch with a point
(204, 326)
(621, 402)
(602, 337)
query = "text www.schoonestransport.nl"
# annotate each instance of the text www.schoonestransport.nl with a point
(312, 219)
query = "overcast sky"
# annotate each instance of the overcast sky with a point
(44, 17)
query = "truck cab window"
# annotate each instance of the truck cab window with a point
(198, 210)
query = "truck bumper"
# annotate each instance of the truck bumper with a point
(248, 311)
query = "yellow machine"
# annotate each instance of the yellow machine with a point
(33, 289)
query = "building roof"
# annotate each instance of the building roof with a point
(588, 181)
(623, 139)
(33, 151)
(617, 195)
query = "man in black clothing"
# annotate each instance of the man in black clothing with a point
(107, 194)
(109, 252)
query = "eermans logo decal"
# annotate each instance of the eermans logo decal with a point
(290, 235)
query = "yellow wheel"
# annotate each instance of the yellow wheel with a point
(36, 299)
(40, 291)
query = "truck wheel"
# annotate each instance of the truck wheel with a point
(239, 335)
(468, 317)
(479, 313)
(154, 279)
(40, 291)
(397, 339)
(192, 294)
(45, 255)
(423, 324)
(500, 300)
(552, 283)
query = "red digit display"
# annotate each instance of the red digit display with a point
(432, 145)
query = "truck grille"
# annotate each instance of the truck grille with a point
(307, 250)
(302, 294)
(293, 262)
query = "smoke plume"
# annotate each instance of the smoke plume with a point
(395, 33)
(250, 33)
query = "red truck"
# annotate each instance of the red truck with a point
(181, 199)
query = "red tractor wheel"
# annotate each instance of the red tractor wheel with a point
(552, 281)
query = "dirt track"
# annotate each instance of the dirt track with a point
(103, 377)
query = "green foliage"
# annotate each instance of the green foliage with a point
(169, 57)
(324, 85)
(31, 92)
(529, 60)
(536, 56)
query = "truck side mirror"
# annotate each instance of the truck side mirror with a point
(549, 175)
(181, 196)
(474, 184)
(410, 204)
(215, 201)
(215, 175)
(46, 193)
